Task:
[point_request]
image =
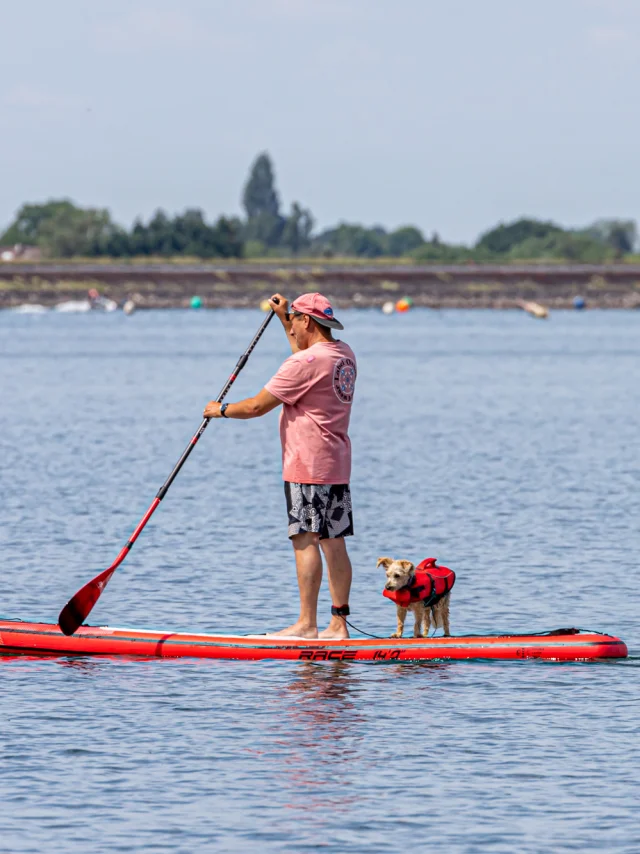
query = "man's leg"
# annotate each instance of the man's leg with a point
(309, 569)
(339, 571)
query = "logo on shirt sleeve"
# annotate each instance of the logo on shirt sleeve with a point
(344, 379)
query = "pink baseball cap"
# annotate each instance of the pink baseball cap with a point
(318, 307)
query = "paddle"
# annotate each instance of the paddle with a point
(79, 606)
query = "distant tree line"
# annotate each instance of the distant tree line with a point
(63, 230)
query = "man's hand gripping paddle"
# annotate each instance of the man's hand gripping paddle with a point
(79, 606)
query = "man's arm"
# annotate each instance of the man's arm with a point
(281, 309)
(251, 407)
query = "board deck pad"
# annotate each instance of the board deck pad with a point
(19, 637)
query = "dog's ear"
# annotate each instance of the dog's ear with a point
(384, 562)
(406, 564)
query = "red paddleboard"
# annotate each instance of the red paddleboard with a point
(23, 638)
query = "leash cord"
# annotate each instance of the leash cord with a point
(356, 629)
(376, 637)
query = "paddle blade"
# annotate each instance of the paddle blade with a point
(78, 608)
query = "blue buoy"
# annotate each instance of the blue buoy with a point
(579, 302)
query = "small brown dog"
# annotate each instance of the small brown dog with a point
(424, 590)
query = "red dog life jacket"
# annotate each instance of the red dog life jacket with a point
(428, 584)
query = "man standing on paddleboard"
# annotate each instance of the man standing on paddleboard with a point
(315, 386)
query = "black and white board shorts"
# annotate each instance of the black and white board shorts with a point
(319, 508)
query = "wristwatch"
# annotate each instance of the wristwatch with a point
(223, 410)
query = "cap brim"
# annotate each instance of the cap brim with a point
(331, 322)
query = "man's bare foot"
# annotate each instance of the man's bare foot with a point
(297, 630)
(336, 630)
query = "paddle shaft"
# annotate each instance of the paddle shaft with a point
(242, 361)
(78, 607)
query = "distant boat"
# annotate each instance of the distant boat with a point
(73, 306)
(29, 309)
(84, 305)
(104, 304)
(534, 308)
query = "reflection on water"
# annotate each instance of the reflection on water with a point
(320, 731)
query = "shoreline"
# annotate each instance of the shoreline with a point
(242, 284)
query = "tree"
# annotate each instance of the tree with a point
(117, 244)
(620, 234)
(138, 239)
(296, 234)
(228, 239)
(260, 201)
(62, 230)
(348, 239)
(73, 231)
(29, 219)
(187, 234)
(160, 235)
(404, 240)
(502, 239)
(192, 236)
(434, 251)
(566, 246)
(260, 196)
(265, 228)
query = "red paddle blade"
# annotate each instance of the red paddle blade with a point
(78, 608)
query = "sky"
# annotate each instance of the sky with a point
(451, 115)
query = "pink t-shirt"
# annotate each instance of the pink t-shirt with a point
(316, 387)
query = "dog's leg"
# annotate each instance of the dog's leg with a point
(427, 621)
(418, 615)
(436, 616)
(445, 615)
(401, 613)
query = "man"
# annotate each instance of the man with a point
(315, 386)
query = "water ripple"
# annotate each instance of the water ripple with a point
(505, 447)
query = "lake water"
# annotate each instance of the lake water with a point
(506, 447)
